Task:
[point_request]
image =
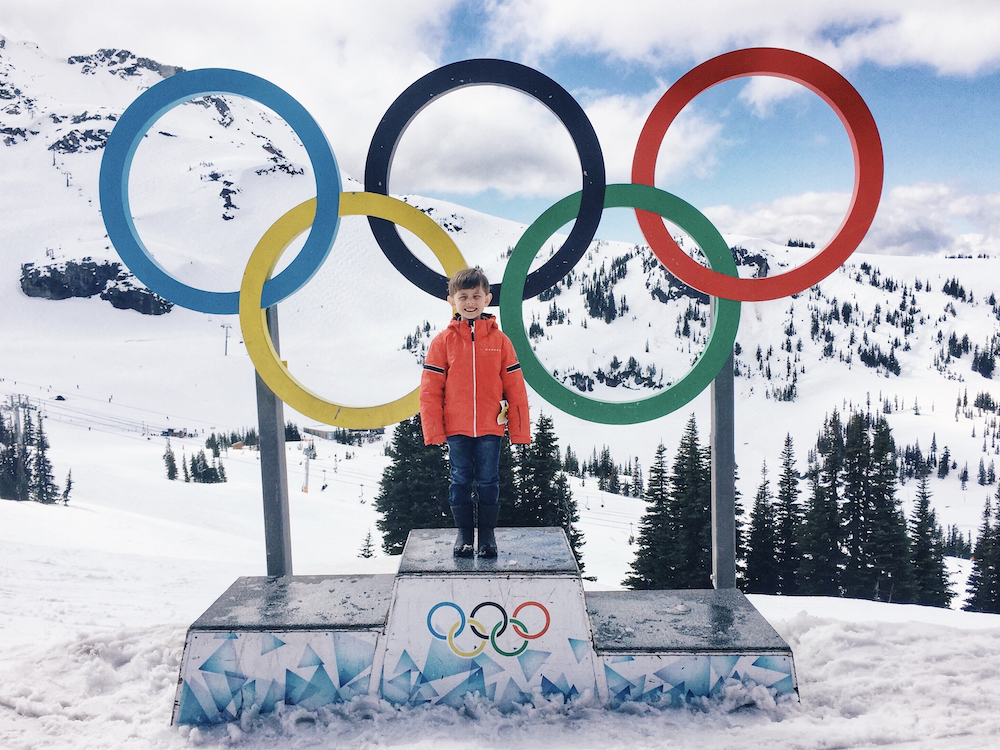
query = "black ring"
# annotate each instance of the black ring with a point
(476, 73)
(486, 636)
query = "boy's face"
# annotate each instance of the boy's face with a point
(470, 303)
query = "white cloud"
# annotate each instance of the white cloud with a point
(922, 219)
(953, 38)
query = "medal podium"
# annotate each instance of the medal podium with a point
(512, 630)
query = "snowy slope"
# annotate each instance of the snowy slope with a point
(96, 595)
(211, 177)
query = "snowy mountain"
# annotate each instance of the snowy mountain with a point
(96, 594)
(909, 337)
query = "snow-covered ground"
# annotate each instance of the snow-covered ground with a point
(96, 596)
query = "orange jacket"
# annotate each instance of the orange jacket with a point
(467, 371)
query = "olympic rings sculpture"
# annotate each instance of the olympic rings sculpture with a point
(480, 631)
(322, 216)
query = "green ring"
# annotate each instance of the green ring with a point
(725, 316)
(493, 635)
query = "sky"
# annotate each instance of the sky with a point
(759, 156)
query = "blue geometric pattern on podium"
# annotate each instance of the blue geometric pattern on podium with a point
(512, 630)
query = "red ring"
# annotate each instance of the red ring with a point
(541, 632)
(868, 169)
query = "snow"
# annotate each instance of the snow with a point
(95, 596)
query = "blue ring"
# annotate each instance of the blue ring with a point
(438, 606)
(116, 167)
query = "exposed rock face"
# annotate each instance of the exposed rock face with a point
(126, 295)
(122, 63)
(85, 278)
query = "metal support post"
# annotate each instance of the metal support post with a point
(723, 479)
(273, 471)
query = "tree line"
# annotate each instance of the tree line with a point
(845, 535)
(25, 467)
(414, 489)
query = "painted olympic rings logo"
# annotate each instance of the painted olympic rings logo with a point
(321, 216)
(487, 635)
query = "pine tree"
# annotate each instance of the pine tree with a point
(367, 548)
(68, 487)
(649, 568)
(822, 557)
(43, 488)
(984, 581)
(888, 544)
(788, 520)
(945, 465)
(508, 515)
(414, 489)
(761, 570)
(15, 460)
(571, 465)
(636, 479)
(929, 571)
(544, 497)
(171, 462)
(856, 577)
(689, 551)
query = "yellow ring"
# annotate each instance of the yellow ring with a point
(466, 654)
(253, 320)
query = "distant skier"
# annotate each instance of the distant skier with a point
(471, 390)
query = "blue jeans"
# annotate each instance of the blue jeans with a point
(474, 460)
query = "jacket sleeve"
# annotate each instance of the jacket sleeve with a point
(516, 395)
(432, 392)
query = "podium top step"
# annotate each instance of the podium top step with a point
(522, 550)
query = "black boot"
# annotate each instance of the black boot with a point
(465, 542)
(487, 523)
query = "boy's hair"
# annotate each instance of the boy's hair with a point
(468, 278)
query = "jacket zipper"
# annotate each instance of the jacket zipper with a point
(475, 399)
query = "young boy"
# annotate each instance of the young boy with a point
(471, 389)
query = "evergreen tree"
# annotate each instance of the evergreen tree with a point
(636, 479)
(888, 544)
(171, 462)
(788, 520)
(571, 465)
(822, 557)
(929, 571)
(43, 488)
(367, 548)
(649, 568)
(856, 577)
(28, 428)
(184, 465)
(761, 570)
(413, 492)
(68, 487)
(945, 465)
(544, 497)
(15, 460)
(508, 515)
(688, 548)
(984, 581)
